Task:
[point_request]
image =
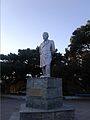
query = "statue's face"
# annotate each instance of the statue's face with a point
(45, 35)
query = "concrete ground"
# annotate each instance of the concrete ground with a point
(12, 104)
(8, 106)
(82, 108)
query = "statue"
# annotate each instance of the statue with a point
(46, 50)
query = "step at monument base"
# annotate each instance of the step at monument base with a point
(63, 113)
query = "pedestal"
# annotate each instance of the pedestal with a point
(44, 101)
(44, 93)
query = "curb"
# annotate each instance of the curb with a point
(64, 97)
(75, 98)
(14, 97)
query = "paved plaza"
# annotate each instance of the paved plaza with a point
(10, 105)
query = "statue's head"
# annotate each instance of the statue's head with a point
(45, 35)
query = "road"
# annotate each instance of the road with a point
(10, 105)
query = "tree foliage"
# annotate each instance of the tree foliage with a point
(78, 57)
(15, 67)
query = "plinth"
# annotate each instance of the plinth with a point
(44, 101)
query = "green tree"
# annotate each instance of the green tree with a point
(57, 65)
(78, 57)
(14, 67)
(31, 59)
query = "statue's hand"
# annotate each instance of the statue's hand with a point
(53, 52)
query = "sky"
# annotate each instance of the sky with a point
(24, 21)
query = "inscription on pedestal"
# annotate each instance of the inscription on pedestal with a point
(35, 92)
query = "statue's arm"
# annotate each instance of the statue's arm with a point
(39, 50)
(53, 47)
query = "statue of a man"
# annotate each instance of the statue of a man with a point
(47, 48)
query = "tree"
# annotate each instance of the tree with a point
(78, 57)
(14, 67)
(57, 65)
(31, 59)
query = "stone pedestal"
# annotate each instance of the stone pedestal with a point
(44, 93)
(44, 101)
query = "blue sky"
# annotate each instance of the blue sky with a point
(24, 21)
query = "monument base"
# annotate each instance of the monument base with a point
(44, 101)
(63, 113)
(44, 93)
